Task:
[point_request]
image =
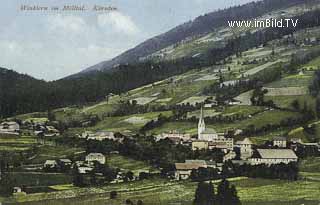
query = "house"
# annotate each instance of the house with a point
(10, 128)
(245, 147)
(96, 157)
(65, 162)
(50, 164)
(229, 156)
(86, 134)
(17, 190)
(174, 135)
(273, 156)
(184, 170)
(229, 83)
(51, 131)
(280, 142)
(211, 104)
(222, 143)
(101, 135)
(84, 169)
(232, 102)
(200, 145)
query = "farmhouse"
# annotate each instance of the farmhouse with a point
(65, 162)
(101, 135)
(200, 145)
(174, 135)
(50, 164)
(273, 156)
(96, 157)
(183, 170)
(279, 142)
(51, 131)
(10, 128)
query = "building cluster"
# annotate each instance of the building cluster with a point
(240, 152)
(10, 128)
(100, 136)
(84, 167)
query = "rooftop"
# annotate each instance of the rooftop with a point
(277, 154)
(245, 141)
(188, 166)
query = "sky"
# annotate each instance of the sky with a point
(50, 44)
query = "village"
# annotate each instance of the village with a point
(241, 152)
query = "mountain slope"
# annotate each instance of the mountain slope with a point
(21, 93)
(200, 26)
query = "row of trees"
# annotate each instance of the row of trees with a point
(226, 194)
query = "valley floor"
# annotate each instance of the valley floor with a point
(163, 192)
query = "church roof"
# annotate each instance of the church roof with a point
(209, 131)
(277, 154)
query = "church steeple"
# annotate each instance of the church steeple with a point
(201, 124)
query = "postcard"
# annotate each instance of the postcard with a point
(160, 102)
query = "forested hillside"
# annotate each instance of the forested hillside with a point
(23, 94)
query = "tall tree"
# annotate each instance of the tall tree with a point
(226, 194)
(204, 194)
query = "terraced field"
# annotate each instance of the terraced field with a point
(128, 164)
(12, 144)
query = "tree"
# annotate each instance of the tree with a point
(226, 194)
(204, 194)
(113, 194)
(78, 179)
(295, 104)
(129, 176)
(6, 185)
(318, 106)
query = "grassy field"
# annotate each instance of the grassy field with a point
(128, 164)
(44, 153)
(13, 144)
(259, 120)
(37, 179)
(286, 101)
(131, 123)
(157, 191)
(292, 81)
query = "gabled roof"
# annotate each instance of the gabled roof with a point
(277, 154)
(96, 154)
(50, 162)
(188, 166)
(198, 161)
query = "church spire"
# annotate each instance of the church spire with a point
(201, 124)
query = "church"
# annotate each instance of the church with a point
(204, 133)
(209, 138)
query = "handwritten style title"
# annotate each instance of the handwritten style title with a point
(70, 8)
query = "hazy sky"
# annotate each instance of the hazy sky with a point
(50, 45)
